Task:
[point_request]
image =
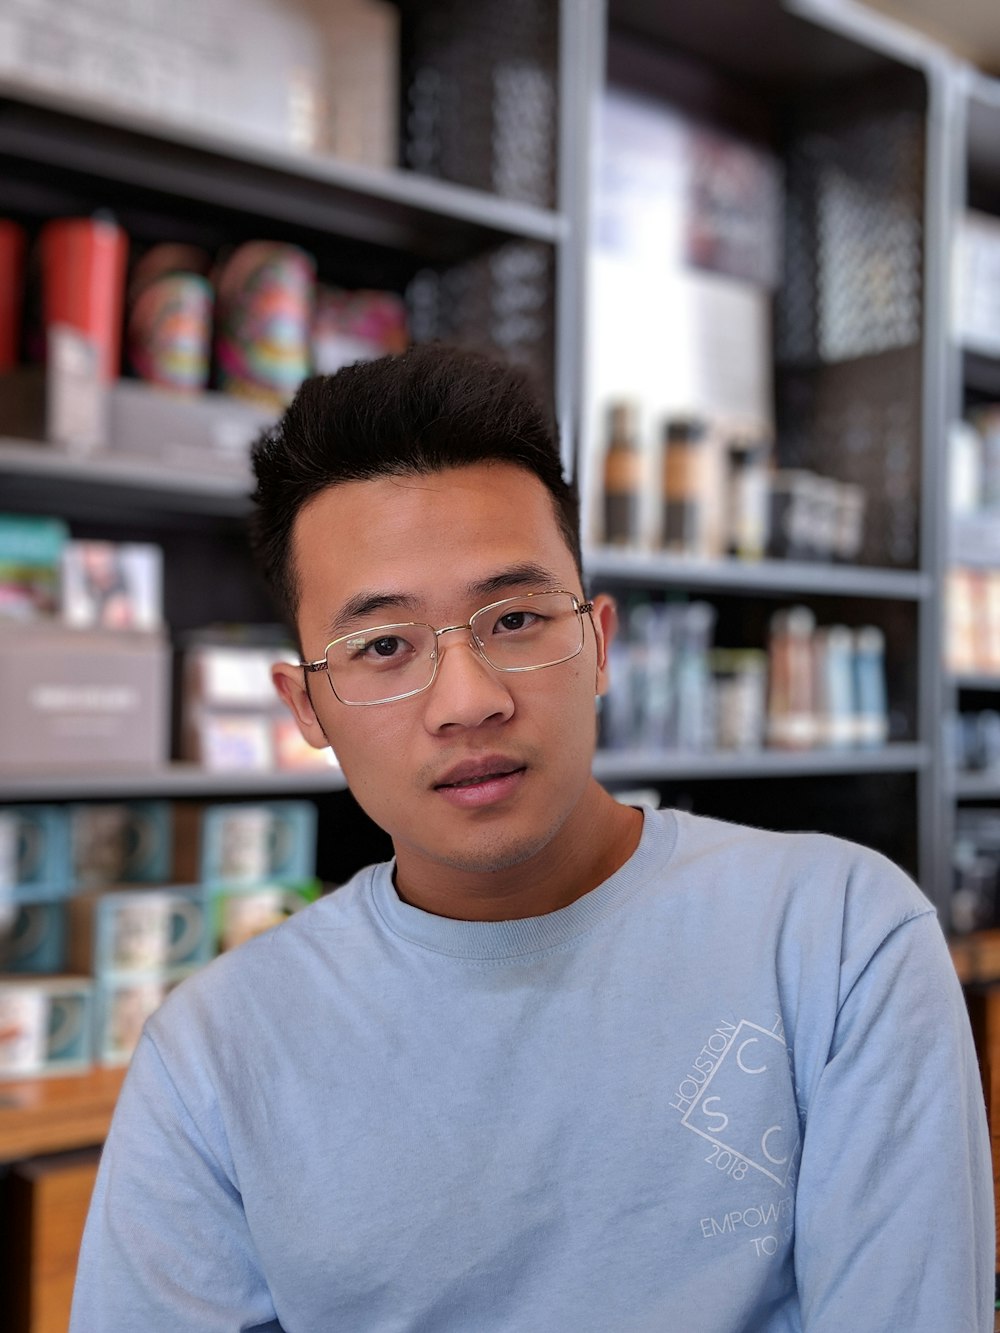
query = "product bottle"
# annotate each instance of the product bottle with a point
(622, 478)
(871, 709)
(791, 705)
(683, 491)
(748, 496)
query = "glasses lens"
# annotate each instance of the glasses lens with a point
(522, 633)
(387, 662)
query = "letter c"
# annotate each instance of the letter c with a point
(739, 1056)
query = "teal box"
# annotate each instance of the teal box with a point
(122, 1006)
(126, 932)
(46, 1025)
(34, 852)
(254, 843)
(120, 842)
(33, 936)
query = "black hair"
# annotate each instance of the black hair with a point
(431, 408)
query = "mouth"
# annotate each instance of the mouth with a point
(481, 782)
(471, 775)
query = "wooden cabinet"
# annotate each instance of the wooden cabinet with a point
(46, 1204)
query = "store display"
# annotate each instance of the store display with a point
(45, 1025)
(83, 284)
(145, 930)
(122, 1005)
(112, 585)
(240, 914)
(685, 492)
(30, 558)
(33, 936)
(170, 312)
(231, 718)
(251, 843)
(351, 326)
(34, 852)
(120, 842)
(262, 342)
(622, 488)
(976, 293)
(82, 699)
(13, 251)
(672, 690)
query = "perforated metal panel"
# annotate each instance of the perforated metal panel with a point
(479, 94)
(501, 303)
(848, 318)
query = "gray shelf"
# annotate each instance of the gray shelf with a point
(762, 576)
(984, 786)
(393, 208)
(34, 469)
(174, 780)
(636, 765)
(983, 94)
(971, 681)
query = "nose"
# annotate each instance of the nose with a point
(467, 691)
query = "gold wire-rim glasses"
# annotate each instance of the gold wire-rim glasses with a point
(376, 631)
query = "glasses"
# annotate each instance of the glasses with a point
(390, 662)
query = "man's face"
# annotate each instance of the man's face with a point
(435, 549)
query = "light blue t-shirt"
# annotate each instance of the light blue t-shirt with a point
(731, 1090)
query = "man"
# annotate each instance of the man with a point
(562, 1066)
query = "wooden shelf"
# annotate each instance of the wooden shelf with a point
(636, 765)
(40, 1115)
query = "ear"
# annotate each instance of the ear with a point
(605, 618)
(289, 681)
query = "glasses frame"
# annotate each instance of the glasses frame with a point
(323, 664)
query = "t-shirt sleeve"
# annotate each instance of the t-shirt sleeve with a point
(166, 1246)
(894, 1208)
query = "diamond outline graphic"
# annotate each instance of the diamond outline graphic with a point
(714, 1138)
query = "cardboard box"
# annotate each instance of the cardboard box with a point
(82, 699)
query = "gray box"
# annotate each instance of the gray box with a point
(82, 699)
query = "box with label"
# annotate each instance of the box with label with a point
(46, 1025)
(133, 931)
(120, 842)
(82, 699)
(122, 1005)
(251, 843)
(33, 936)
(34, 852)
(240, 913)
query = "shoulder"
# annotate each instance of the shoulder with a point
(817, 886)
(273, 972)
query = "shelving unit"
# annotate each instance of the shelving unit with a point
(762, 70)
(786, 75)
(972, 374)
(818, 87)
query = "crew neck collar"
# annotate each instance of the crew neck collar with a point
(508, 940)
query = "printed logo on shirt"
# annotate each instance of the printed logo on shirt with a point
(738, 1097)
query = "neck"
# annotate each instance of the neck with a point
(595, 841)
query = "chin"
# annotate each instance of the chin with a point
(490, 856)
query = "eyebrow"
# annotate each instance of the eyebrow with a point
(363, 605)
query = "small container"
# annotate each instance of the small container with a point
(683, 467)
(792, 721)
(622, 485)
(748, 495)
(833, 649)
(870, 703)
(739, 679)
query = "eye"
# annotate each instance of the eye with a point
(387, 646)
(384, 649)
(517, 619)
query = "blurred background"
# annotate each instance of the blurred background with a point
(750, 252)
